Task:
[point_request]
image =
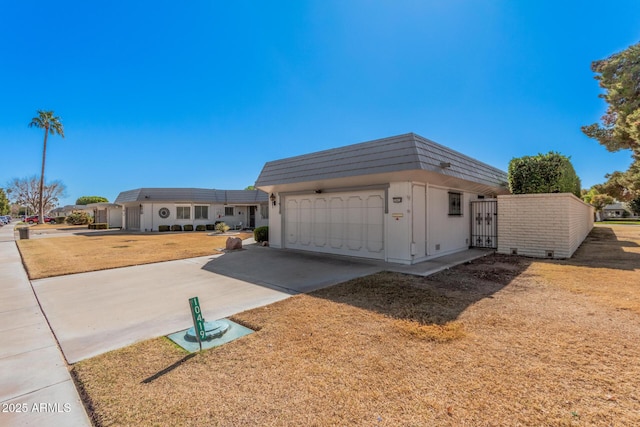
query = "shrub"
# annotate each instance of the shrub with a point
(60, 219)
(79, 218)
(176, 227)
(99, 226)
(544, 173)
(261, 234)
(163, 228)
(200, 227)
(188, 227)
(222, 227)
(211, 227)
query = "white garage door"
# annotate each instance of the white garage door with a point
(338, 223)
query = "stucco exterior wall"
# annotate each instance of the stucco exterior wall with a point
(542, 225)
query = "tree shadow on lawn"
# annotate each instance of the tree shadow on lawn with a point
(437, 299)
(604, 248)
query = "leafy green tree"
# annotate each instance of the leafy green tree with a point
(5, 207)
(619, 127)
(250, 187)
(634, 205)
(85, 200)
(597, 199)
(51, 125)
(543, 173)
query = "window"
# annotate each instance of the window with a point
(201, 212)
(228, 211)
(455, 204)
(183, 212)
(264, 211)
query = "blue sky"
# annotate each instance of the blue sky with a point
(203, 93)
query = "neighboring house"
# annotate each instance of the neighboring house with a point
(146, 208)
(402, 199)
(104, 212)
(616, 210)
(66, 210)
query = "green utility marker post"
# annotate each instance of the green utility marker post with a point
(198, 320)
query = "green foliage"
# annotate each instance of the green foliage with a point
(5, 207)
(222, 227)
(60, 219)
(619, 76)
(544, 173)
(85, 200)
(261, 234)
(79, 218)
(163, 228)
(176, 227)
(634, 205)
(210, 227)
(201, 227)
(188, 227)
(99, 226)
(250, 187)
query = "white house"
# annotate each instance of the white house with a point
(105, 212)
(402, 199)
(147, 208)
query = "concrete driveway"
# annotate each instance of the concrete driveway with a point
(92, 313)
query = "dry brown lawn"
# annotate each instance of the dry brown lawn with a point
(500, 341)
(91, 251)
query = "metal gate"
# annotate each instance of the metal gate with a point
(132, 216)
(484, 223)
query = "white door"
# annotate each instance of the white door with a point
(337, 223)
(419, 221)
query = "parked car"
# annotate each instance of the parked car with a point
(34, 220)
(4, 220)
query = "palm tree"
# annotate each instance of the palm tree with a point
(51, 125)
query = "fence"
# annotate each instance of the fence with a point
(542, 225)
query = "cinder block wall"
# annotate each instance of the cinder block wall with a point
(542, 225)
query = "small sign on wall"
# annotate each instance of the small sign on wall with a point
(397, 200)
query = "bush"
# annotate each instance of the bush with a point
(261, 234)
(200, 227)
(176, 227)
(60, 219)
(544, 173)
(79, 218)
(211, 227)
(163, 228)
(222, 227)
(188, 227)
(99, 226)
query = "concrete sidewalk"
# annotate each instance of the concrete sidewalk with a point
(36, 388)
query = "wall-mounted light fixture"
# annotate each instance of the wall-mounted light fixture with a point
(272, 197)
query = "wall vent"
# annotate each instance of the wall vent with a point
(438, 247)
(549, 254)
(514, 251)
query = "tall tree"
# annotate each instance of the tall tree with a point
(26, 192)
(619, 127)
(51, 125)
(4, 203)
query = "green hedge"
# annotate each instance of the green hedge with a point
(188, 227)
(261, 234)
(200, 227)
(163, 228)
(99, 226)
(210, 227)
(176, 227)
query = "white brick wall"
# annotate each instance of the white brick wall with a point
(542, 225)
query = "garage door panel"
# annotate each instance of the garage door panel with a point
(340, 223)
